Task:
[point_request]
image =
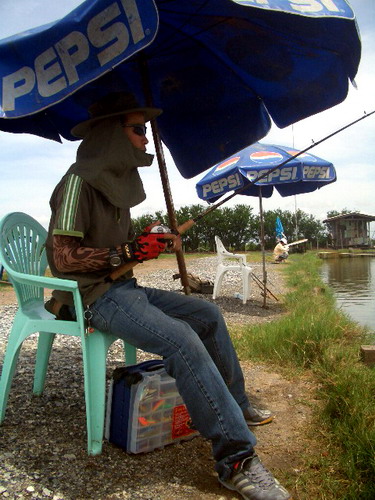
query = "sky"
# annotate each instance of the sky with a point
(30, 166)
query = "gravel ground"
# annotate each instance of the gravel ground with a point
(233, 309)
(42, 440)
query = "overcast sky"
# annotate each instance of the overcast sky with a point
(30, 166)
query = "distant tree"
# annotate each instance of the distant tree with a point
(194, 239)
(288, 221)
(240, 226)
(237, 227)
(312, 229)
(296, 226)
(141, 222)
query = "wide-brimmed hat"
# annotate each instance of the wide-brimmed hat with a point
(114, 104)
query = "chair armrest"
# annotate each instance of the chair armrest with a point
(237, 256)
(53, 283)
(44, 281)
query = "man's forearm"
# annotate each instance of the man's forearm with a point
(70, 256)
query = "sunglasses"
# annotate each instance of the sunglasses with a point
(138, 129)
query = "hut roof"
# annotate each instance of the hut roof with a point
(352, 216)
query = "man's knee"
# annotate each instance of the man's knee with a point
(212, 312)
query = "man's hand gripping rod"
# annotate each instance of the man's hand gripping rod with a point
(166, 236)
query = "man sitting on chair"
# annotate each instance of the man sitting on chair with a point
(90, 236)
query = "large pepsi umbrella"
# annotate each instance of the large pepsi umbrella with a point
(220, 69)
(285, 169)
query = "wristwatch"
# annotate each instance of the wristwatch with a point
(114, 258)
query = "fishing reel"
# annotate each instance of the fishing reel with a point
(162, 229)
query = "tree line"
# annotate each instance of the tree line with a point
(238, 227)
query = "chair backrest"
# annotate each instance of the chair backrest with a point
(220, 248)
(224, 255)
(22, 249)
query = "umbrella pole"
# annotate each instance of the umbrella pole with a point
(164, 174)
(263, 249)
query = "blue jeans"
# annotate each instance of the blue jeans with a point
(191, 335)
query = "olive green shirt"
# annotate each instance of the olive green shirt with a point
(81, 211)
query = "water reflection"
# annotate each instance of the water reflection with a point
(353, 282)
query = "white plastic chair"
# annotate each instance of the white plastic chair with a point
(231, 262)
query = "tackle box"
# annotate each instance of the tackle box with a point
(145, 410)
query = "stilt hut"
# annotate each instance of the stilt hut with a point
(350, 230)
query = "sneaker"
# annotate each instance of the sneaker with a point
(254, 482)
(255, 416)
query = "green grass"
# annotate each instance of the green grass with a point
(313, 335)
(348, 391)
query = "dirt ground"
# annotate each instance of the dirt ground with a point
(43, 448)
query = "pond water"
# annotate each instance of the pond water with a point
(353, 283)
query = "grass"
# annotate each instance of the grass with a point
(314, 336)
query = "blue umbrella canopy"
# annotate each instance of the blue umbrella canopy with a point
(274, 166)
(259, 169)
(279, 229)
(220, 69)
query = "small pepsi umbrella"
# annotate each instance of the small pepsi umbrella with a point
(276, 167)
(302, 174)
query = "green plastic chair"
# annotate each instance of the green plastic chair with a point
(23, 255)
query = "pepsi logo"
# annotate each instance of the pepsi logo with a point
(227, 163)
(268, 157)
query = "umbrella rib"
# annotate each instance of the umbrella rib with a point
(171, 48)
(169, 45)
(296, 48)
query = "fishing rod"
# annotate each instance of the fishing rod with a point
(262, 286)
(181, 229)
(243, 188)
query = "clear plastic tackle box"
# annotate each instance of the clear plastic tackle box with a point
(145, 410)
